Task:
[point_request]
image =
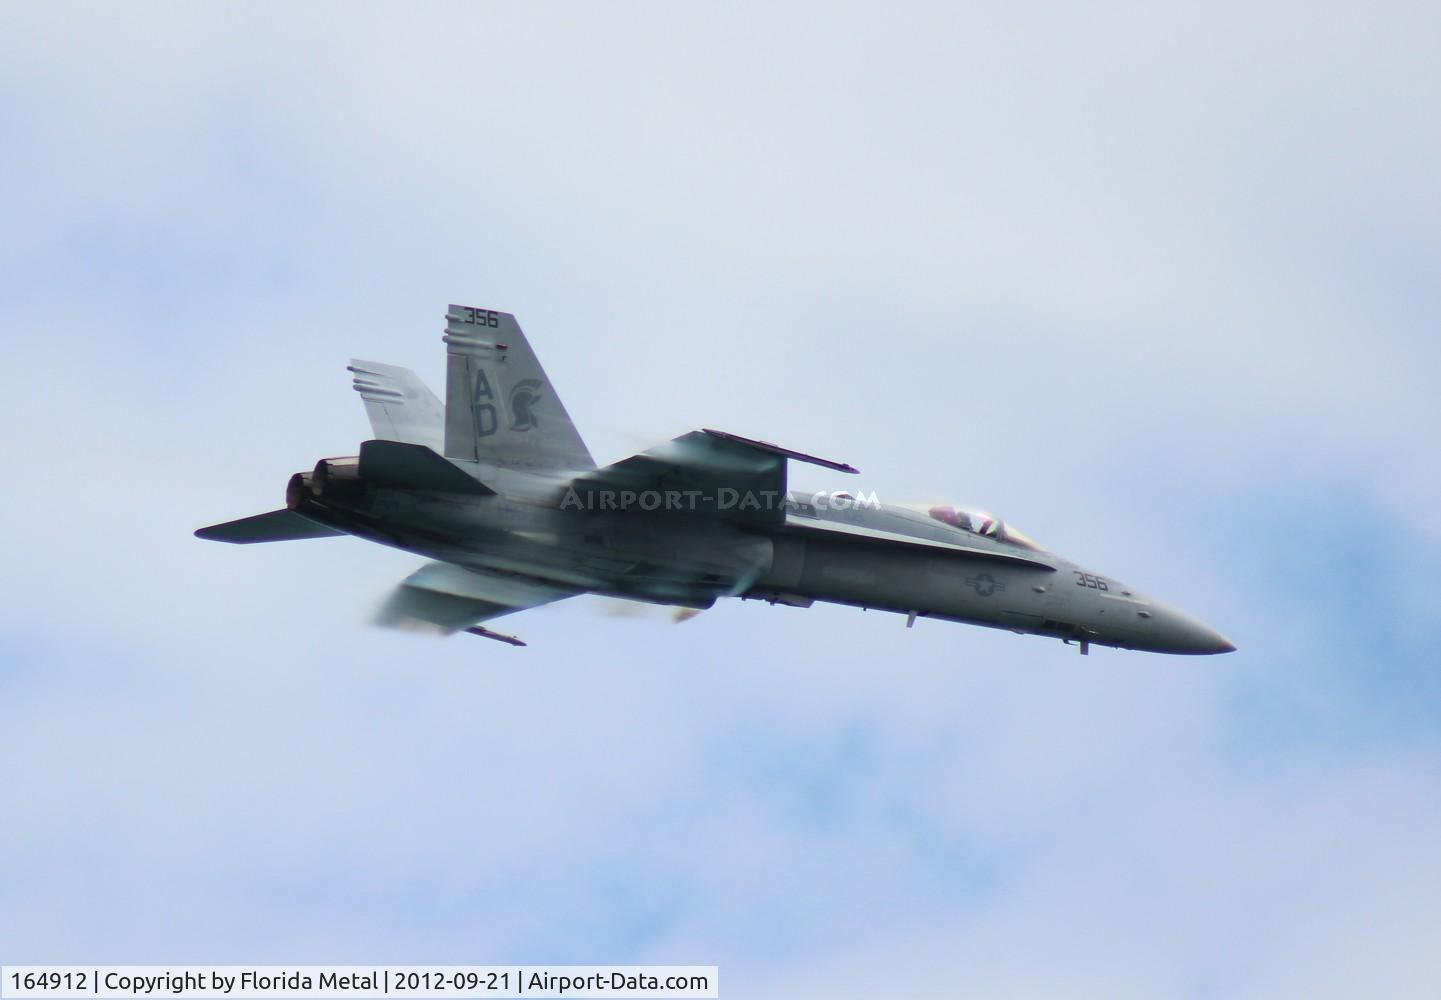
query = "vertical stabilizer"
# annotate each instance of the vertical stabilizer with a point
(398, 403)
(500, 407)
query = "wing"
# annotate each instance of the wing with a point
(399, 405)
(703, 472)
(444, 598)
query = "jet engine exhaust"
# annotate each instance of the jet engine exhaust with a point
(297, 491)
(337, 479)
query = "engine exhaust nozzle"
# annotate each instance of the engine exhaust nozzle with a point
(298, 490)
(337, 479)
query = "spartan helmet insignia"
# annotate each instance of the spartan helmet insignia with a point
(523, 396)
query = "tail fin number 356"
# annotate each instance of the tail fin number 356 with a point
(482, 317)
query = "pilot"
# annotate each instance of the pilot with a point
(955, 518)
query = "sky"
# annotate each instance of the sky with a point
(1158, 284)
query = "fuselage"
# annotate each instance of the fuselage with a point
(867, 555)
(995, 582)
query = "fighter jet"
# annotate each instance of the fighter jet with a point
(497, 489)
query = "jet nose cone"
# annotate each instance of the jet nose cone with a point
(1180, 633)
(1223, 645)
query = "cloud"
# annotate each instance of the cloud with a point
(1150, 283)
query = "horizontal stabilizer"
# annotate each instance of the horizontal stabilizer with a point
(276, 526)
(414, 466)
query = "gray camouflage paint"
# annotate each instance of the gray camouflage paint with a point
(516, 515)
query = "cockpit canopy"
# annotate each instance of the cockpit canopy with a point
(980, 522)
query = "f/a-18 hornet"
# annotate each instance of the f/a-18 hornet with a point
(497, 488)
